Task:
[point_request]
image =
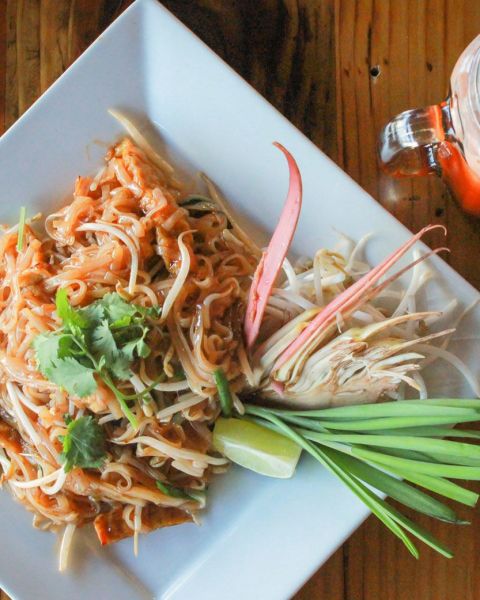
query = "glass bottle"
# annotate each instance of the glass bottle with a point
(444, 138)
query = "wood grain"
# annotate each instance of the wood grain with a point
(3, 64)
(339, 69)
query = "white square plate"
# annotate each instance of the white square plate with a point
(260, 538)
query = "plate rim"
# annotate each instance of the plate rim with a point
(137, 7)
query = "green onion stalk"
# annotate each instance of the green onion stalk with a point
(404, 450)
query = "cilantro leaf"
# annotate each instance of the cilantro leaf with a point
(46, 347)
(93, 313)
(118, 311)
(121, 313)
(153, 312)
(71, 317)
(83, 444)
(101, 364)
(137, 346)
(131, 340)
(103, 342)
(50, 346)
(120, 367)
(125, 321)
(72, 375)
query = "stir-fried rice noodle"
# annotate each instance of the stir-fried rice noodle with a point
(125, 230)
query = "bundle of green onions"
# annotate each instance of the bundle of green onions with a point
(385, 447)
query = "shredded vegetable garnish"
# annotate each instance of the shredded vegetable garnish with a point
(21, 228)
(144, 311)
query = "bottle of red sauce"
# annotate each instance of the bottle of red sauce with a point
(444, 138)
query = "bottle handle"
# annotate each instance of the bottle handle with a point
(407, 144)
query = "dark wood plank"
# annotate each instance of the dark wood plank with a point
(3, 62)
(328, 583)
(28, 52)
(54, 21)
(377, 566)
(284, 49)
(11, 111)
(88, 18)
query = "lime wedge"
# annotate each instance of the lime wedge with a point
(256, 448)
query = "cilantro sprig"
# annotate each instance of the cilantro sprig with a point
(99, 341)
(83, 444)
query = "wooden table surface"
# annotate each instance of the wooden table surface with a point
(338, 69)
